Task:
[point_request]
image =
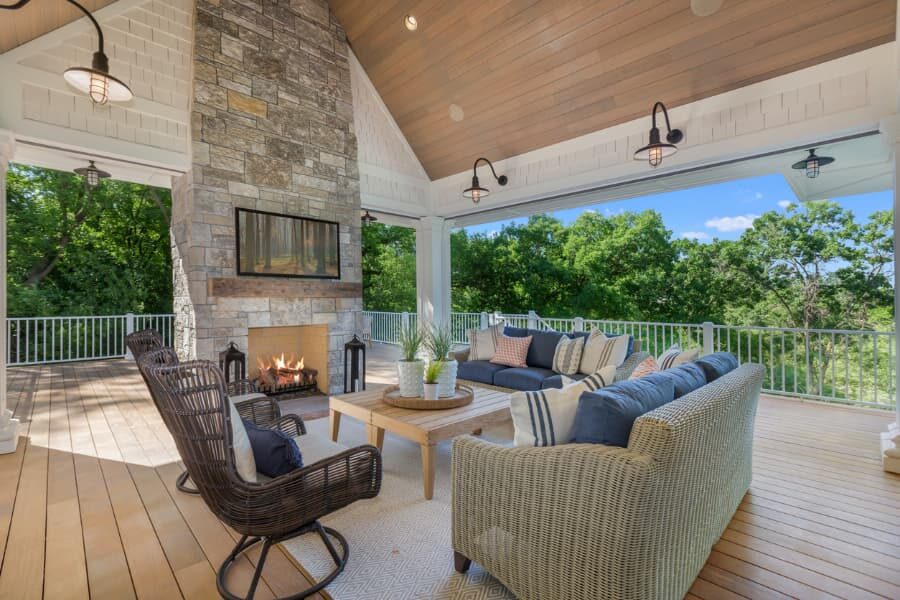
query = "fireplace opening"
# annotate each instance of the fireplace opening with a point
(284, 373)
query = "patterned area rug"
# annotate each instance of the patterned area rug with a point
(399, 542)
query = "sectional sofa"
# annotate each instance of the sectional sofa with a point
(539, 374)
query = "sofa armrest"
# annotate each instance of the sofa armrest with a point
(461, 355)
(559, 510)
(625, 370)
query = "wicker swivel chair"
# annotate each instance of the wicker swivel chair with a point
(256, 408)
(192, 400)
(143, 341)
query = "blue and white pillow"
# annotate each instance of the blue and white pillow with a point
(546, 417)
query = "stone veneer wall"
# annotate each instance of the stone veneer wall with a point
(272, 129)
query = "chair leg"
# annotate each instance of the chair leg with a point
(340, 560)
(460, 562)
(181, 484)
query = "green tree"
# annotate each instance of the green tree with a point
(74, 252)
(389, 268)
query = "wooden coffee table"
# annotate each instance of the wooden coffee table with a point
(427, 427)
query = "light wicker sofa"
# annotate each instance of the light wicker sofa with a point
(592, 522)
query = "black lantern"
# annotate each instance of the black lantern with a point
(355, 372)
(368, 218)
(92, 175)
(812, 163)
(232, 359)
(476, 192)
(654, 152)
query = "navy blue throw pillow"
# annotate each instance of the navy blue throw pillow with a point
(607, 415)
(275, 453)
(717, 364)
(687, 378)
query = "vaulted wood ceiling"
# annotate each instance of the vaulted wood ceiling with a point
(528, 73)
(39, 17)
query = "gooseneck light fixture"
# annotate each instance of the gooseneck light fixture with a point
(367, 218)
(812, 163)
(92, 175)
(476, 192)
(655, 151)
(95, 81)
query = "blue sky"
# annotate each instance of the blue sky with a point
(722, 211)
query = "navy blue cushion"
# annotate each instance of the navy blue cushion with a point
(717, 364)
(686, 378)
(527, 380)
(275, 453)
(607, 415)
(481, 371)
(555, 381)
(542, 348)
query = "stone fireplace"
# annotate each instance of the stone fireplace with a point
(272, 130)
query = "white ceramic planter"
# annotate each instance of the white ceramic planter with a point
(410, 374)
(447, 380)
(431, 391)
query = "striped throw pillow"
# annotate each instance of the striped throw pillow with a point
(483, 342)
(546, 417)
(675, 356)
(567, 357)
(601, 351)
(511, 351)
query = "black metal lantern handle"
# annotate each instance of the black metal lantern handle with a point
(501, 179)
(656, 107)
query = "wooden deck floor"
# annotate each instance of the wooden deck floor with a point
(88, 506)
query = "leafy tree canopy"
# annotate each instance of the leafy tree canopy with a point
(74, 252)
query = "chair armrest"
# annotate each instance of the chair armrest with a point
(259, 411)
(625, 370)
(521, 511)
(461, 355)
(240, 387)
(290, 424)
(311, 492)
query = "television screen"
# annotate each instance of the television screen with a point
(275, 245)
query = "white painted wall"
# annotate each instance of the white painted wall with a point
(149, 44)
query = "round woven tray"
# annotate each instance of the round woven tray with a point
(464, 395)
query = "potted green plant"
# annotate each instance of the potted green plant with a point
(410, 367)
(432, 377)
(439, 343)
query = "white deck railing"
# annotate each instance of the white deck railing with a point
(856, 367)
(35, 340)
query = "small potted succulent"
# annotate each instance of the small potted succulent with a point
(410, 367)
(432, 376)
(439, 343)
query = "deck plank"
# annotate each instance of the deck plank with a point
(93, 481)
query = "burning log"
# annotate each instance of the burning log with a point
(280, 374)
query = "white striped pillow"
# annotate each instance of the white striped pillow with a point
(601, 351)
(675, 356)
(567, 357)
(546, 417)
(483, 342)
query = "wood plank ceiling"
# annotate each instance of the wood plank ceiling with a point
(529, 73)
(37, 18)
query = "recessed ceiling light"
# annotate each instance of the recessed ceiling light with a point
(456, 113)
(705, 8)
(411, 23)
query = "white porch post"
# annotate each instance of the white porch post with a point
(433, 270)
(9, 428)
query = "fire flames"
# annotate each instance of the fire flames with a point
(285, 370)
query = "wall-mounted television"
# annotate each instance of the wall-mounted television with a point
(273, 245)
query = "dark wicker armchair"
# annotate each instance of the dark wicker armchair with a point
(191, 398)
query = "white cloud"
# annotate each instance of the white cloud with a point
(695, 235)
(738, 223)
(758, 195)
(784, 203)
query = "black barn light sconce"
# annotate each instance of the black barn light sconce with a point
(812, 163)
(367, 218)
(92, 175)
(655, 151)
(95, 81)
(476, 192)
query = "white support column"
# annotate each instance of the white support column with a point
(433, 270)
(9, 428)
